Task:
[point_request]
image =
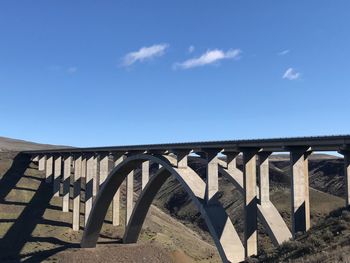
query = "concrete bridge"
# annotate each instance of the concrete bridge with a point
(105, 168)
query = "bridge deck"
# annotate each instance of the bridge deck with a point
(316, 143)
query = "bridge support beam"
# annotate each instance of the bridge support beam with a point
(116, 198)
(250, 203)
(49, 169)
(212, 184)
(129, 196)
(95, 175)
(145, 174)
(66, 183)
(90, 171)
(347, 176)
(42, 163)
(76, 192)
(57, 176)
(104, 168)
(263, 175)
(300, 190)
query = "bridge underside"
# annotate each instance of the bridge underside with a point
(105, 168)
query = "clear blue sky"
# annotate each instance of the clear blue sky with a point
(90, 73)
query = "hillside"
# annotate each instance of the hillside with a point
(8, 144)
(174, 230)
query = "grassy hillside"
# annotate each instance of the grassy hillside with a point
(328, 241)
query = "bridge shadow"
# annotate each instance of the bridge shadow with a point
(23, 240)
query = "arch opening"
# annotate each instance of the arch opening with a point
(219, 224)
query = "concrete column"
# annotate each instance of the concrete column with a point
(145, 173)
(212, 184)
(96, 175)
(89, 186)
(116, 198)
(250, 203)
(35, 158)
(300, 191)
(347, 177)
(42, 163)
(49, 169)
(263, 174)
(129, 195)
(57, 176)
(104, 168)
(76, 195)
(66, 183)
(83, 167)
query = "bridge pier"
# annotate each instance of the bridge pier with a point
(104, 168)
(300, 190)
(49, 169)
(347, 176)
(263, 175)
(67, 169)
(129, 196)
(57, 176)
(145, 173)
(212, 184)
(42, 163)
(76, 192)
(95, 175)
(250, 203)
(90, 171)
(116, 198)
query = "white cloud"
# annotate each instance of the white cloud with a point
(144, 53)
(209, 57)
(283, 52)
(291, 74)
(72, 70)
(190, 49)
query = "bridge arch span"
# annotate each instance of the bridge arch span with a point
(219, 224)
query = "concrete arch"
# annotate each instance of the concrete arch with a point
(268, 215)
(219, 224)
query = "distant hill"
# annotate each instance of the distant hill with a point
(8, 144)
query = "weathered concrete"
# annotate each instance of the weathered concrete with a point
(263, 175)
(42, 163)
(66, 183)
(250, 203)
(83, 167)
(57, 176)
(76, 194)
(49, 169)
(300, 190)
(129, 196)
(145, 173)
(347, 176)
(212, 184)
(89, 185)
(220, 226)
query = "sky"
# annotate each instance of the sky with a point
(95, 73)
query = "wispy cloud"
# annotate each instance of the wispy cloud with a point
(144, 53)
(291, 74)
(72, 70)
(209, 57)
(283, 52)
(190, 49)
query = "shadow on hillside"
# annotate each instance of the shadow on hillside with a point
(21, 230)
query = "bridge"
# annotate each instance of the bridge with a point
(103, 170)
